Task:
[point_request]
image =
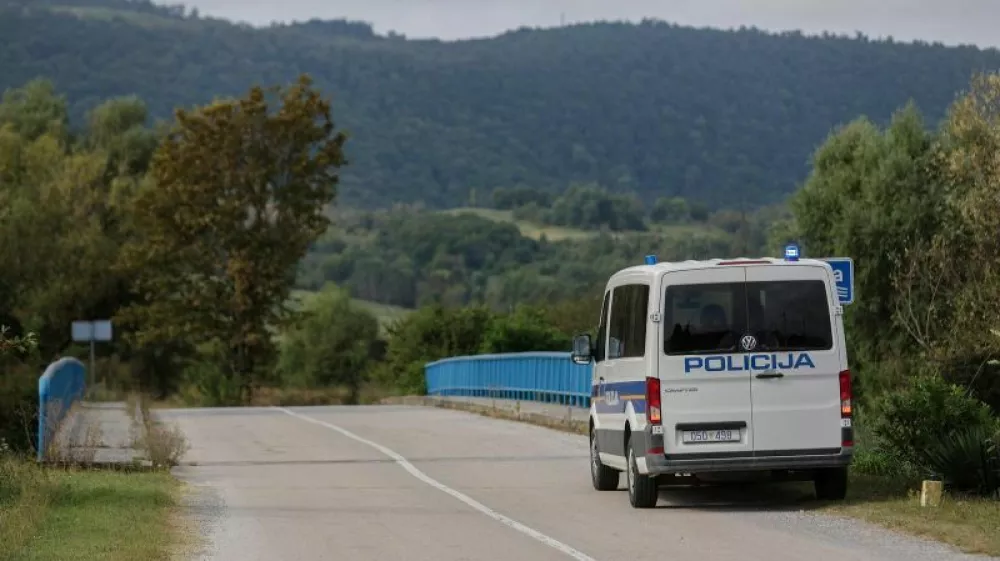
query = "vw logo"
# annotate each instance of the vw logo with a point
(749, 342)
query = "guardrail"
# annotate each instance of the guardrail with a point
(539, 376)
(60, 386)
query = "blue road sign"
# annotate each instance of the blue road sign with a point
(843, 274)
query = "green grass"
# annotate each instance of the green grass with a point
(82, 515)
(969, 523)
(132, 17)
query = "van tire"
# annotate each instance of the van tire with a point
(831, 484)
(642, 489)
(603, 477)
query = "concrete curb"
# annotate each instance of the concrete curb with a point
(500, 409)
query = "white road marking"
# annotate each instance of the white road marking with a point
(549, 541)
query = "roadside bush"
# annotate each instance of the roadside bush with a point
(426, 335)
(433, 333)
(204, 384)
(18, 406)
(331, 346)
(933, 425)
(967, 460)
(527, 329)
(873, 457)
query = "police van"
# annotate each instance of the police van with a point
(719, 368)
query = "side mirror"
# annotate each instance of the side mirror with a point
(581, 349)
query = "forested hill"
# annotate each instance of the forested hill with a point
(729, 118)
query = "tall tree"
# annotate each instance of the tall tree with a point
(872, 194)
(236, 198)
(951, 284)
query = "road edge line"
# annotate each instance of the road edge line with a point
(412, 470)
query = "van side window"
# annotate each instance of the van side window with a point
(629, 308)
(602, 331)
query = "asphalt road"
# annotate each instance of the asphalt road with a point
(402, 483)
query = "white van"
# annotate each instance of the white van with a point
(719, 368)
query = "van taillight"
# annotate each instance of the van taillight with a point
(653, 400)
(845, 394)
(846, 430)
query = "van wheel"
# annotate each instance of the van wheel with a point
(831, 484)
(642, 489)
(603, 477)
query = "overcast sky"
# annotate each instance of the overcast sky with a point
(948, 21)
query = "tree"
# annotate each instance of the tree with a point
(673, 210)
(526, 329)
(950, 284)
(872, 195)
(236, 199)
(331, 346)
(34, 109)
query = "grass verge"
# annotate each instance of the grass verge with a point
(83, 515)
(970, 524)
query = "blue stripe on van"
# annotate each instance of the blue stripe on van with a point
(633, 391)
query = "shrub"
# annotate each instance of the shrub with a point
(18, 406)
(527, 329)
(426, 335)
(967, 460)
(331, 346)
(926, 415)
(205, 384)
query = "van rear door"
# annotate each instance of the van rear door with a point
(796, 364)
(705, 391)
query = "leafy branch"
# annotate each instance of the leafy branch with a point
(19, 344)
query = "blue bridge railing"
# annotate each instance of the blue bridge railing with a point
(61, 385)
(540, 376)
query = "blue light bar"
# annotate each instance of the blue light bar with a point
(792, 252)
(651, 260)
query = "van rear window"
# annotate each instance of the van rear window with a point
(781, 315)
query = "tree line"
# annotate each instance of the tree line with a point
(591, 206)
(411, 257)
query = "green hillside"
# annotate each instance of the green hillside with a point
(728, 118)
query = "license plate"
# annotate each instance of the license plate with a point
(717, 435)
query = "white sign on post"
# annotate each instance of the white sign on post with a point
(91, 332)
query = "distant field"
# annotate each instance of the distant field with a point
(111, 14)
(385, 313)
(528, 229)
(559, 233)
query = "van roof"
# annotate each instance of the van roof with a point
(692, 265)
